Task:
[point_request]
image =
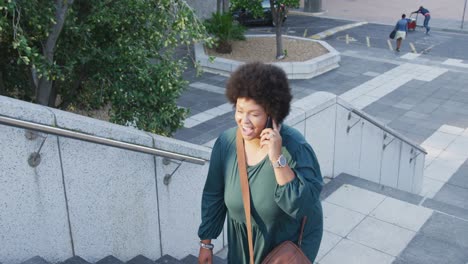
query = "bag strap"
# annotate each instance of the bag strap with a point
(242, 166)
(304, 220)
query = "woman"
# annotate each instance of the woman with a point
(284, 175)
(401, 29)
(427, 17)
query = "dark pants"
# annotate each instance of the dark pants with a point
(426, 23)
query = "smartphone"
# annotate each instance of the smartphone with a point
(269, 123)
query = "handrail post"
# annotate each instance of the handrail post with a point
(463, 18)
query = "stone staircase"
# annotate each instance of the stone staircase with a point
(166, 259)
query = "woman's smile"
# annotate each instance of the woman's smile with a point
(250, 118)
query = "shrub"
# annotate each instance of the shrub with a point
(224, 29)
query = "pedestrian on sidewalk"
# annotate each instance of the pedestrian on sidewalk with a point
(427, 17)
(283, 173)
(401, 29)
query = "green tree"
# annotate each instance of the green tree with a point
(126, 53)
(279, 9)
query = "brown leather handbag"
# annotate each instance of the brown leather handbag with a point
(286, 252)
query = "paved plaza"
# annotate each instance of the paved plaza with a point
(422, 93)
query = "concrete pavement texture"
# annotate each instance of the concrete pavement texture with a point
(421, 92)
(446, 14)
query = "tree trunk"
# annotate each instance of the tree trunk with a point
(219, 4)
(2, 84)
(279, 42)
(277, 15)
(225, 6)
(44, 85)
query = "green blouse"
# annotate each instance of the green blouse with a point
(276, 210)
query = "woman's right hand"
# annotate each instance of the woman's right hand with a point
(205, 256)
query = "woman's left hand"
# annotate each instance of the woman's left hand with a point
(271, 137)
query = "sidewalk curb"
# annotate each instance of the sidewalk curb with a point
(303, 13)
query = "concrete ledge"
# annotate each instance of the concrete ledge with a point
(295, 70)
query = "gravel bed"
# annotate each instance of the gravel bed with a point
(264, 49)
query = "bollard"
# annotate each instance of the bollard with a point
(413, 48)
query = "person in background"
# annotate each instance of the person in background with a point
(427, 17)
(401, 29)
(283, 173)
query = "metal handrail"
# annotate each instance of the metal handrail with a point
(98, 140)
(386, 129)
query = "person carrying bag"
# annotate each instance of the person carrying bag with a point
(286, 252)
(281, 173)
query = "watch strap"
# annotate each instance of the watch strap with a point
(206, 245)
(277, 163)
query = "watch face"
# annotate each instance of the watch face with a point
(282, 161)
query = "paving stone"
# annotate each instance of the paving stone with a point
(331, 187)
(447, 228)
(424, 249)
(443, 95)
(344, 178)
(363, 201)
(329, 241)
(459, 178)
(186, 133)
(416, 115)
(348, 74)
(140, 259)
(404, 106)
(76, 260)
(333, 216)
(382, 236)
(376, 108)
(402, 214)
(35, 260)
(110, 260)
(167, 259)
(400, 261)
(459, 121)
(355, 253)
(429, 124)
(417, 138)
(371, 74)
(401, 125)
(453, 195)
(218, 78)
(446, 208)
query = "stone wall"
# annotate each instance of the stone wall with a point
(97, 200)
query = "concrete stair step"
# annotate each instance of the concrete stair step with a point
(168, 259)
(110, 260)
(75, 260)
(35, 260)
(140, 259)
(191, 259)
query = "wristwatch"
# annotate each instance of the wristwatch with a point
(280, 162)
(206, 246)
